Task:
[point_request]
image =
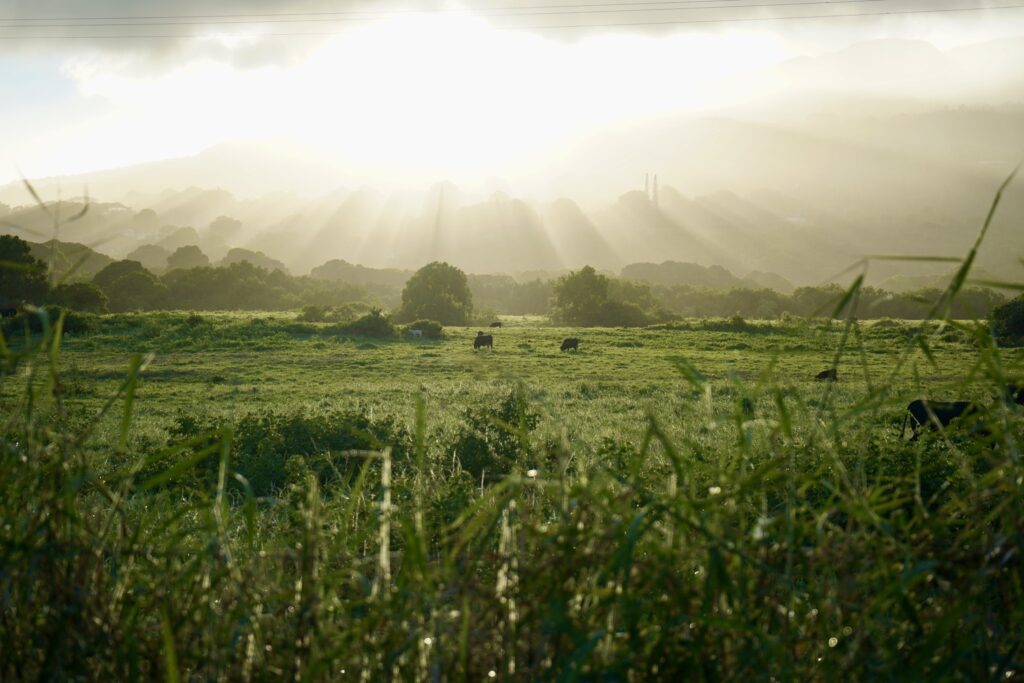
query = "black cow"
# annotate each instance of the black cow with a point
(570, 343)
(483, 340)
(496, 323)
(829, 375)
(935, 414)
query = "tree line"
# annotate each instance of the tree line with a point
(128, 286)
(444, 293)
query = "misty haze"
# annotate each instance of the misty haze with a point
(512, 340)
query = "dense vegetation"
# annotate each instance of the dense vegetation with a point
(438, 291)
(726, 520)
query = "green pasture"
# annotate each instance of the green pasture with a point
(230, 364)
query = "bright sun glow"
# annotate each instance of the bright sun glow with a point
(418, 96)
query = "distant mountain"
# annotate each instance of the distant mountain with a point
(250, 169)
(672, 273)
(804, 198)
(343, 271)
(758, 280)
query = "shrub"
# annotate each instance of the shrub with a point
(373, 324)
(349, 311)
(620, 314)
(312, 314)
(431, 328)
(491, 439)
(80, 296)
(74, 323)
(1008, 320)
(264, 442)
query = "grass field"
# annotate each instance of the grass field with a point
(255, 498)
(226, 364)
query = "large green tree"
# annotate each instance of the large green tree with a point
(22, 276)
(437, 291)
(585, 297)
(80, 296)
(578, 297)
(130, 287)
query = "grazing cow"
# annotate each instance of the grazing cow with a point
(415, 333)
(935, 414)
(483, 340)
(496, 323)
(570, 343)
(829, 375)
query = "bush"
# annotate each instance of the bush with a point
(264, 442)
(373, 324)
(1008, 320)
(81, 296)
(490, 441)
(431, 329)
(312, 314)
(74, 323)
(620, 314)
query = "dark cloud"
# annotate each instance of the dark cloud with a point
(155, 30)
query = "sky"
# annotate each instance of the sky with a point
(415, 91)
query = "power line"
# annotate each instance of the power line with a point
(681, 22)
(363, 12)
(785, 18)
(385, 16)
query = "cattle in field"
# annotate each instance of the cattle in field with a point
(483, 340)
(829, 375)
(496, 323)
(415, 333)
(570, 343)
(935, 415)
(923, 414)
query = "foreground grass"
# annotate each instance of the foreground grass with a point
(400, 510)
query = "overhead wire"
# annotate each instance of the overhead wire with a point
(376, 17)
(396, 12)
(666, 22)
